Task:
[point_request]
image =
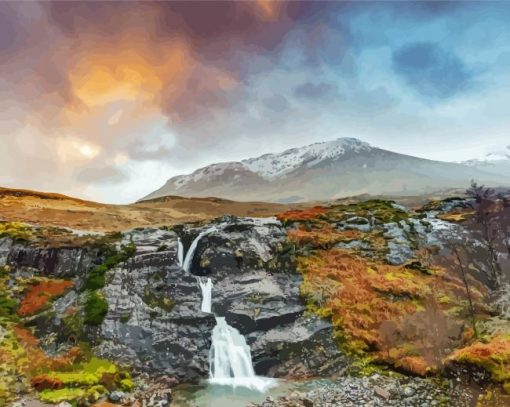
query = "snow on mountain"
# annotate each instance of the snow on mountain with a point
(330, 170)
(208, 173)
(270, 166)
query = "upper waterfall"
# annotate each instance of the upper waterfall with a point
(191, 251)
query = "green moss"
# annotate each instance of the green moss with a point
(74, 324)
(57, 396)
(381, 211)
(8, 306)
(162, 248)
(87, 381)
(96, 308)
(96, 278)
(506, 387)
(126, 384)
(16, 231)
(155, 301)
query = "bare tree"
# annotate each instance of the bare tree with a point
(464, 275)
(486, 223)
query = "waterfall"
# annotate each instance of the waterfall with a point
(180, 252)
(191, 251)
(230, 360)
(229, 356)
(206, 288)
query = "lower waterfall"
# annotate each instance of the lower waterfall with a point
(206, 295)
(229, 356)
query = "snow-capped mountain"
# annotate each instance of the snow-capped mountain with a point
(270, 166)
(332, 169)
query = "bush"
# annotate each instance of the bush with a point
(96, 308)
(96, 278)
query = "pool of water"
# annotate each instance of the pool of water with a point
(216, 395)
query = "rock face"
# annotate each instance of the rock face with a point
(154, 320)
(55, 262)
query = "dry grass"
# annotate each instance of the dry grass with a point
(46, 209)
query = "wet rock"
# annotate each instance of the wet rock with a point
(382, 392)
(116, 396)
(399, 243)
(409, 391)
(5, 247)
(54, 262)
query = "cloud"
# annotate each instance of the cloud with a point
(276, 103)
(431, 70)
(312, 90)
(104, 174)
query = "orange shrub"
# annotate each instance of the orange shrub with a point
(302, 215)
(43, 382)
(38, 295)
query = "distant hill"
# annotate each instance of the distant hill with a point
(328, 170)
(56, 210)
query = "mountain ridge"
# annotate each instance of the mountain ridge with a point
(314, 172)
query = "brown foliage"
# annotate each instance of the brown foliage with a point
(43, 382)
(38, 295)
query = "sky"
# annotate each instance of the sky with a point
(107, 100)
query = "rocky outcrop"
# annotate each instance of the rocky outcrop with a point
(5, 248)
(65, 262)
(154, 321)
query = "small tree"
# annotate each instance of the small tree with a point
(486, 223)
(464, 276)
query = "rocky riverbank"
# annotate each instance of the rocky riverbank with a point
(373, 391)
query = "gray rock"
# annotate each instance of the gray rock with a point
(116, 396)
(5, 247)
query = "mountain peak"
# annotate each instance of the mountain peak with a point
(273, 165)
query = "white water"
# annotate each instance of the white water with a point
(180, 252)
(191, 251)
(206, 288)
(229, 356)
(230, 360)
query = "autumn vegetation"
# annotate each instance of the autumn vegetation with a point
(422, 317)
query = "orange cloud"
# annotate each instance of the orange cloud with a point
(129, 74)
(270, 9)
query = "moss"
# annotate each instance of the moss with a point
(124, 318)
(8, 306)
(74, 324)
(16, 231)
(85, 382)
(153, 300)
(96, 308)
(57, 396)
(126, 384)
(96, 278)
(506, 387)
(162, 248)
